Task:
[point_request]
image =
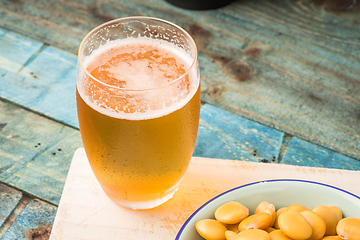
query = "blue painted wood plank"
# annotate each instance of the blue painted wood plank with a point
(303, 86)
(55, 69)
(227, 136)
(46, 84)
(303, 153)
(16, 50)
(9, 199)
(35, 152)
(34, 222)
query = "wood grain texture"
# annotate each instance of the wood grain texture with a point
(9, 199)
(35, 152)
(34, 222)
(291, 65)
(228, 136)
(50, 91)
(302, 153)
(39, 77)
(16, 50)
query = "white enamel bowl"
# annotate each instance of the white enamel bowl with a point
(281, 193)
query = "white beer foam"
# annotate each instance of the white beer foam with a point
(141, 77)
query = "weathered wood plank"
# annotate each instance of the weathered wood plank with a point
(35, 152)
(290, 65)
(43, 79)
(289, 86)
(302, 153)
(60, 23)
(227, 136)
(16, 212)
(16, 50)
(56, 82)
(34, 222)
(50, 91)
(9, 199)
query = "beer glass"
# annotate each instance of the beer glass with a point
(138, 103)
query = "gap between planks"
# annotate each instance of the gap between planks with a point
(15, 213)
(25, 199)
(38, 113)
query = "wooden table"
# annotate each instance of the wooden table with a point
(280, 84)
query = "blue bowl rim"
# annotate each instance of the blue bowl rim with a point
(253, 183)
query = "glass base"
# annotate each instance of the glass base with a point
(148, 204)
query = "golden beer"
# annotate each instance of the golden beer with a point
(138, 104)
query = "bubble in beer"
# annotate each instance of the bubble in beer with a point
(138, 66)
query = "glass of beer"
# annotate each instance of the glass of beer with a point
(138, 102)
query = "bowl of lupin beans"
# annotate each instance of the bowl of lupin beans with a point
(281, 209)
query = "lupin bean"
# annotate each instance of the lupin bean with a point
(230, 235)
(269, 229)
(291, 222)
(294, 225)
(231, 212)
(297, 207)
(331, 238)
(349, 228)
(256, 221)
(210, 229)
(252, 234)
(267, 208)
(337, 210)
(317, 224)
(278, 212)
(330, 217)
(232, 227)
(278, 235)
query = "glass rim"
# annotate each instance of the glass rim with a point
(137, 17)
